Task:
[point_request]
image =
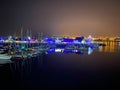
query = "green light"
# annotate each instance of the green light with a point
(23, 47)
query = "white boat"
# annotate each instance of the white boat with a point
(1, 51)
(5, 56)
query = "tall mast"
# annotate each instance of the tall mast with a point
(27, 37)
(27, 33)
(21, 32)
(21, 39)
(30, 34)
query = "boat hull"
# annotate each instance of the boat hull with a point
(5, 56)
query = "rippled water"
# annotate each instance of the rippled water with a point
(98, 70)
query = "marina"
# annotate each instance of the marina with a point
(60, 44)
(10, 52)
(49, 66)
(14, 50)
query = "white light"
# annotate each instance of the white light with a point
(75, 50)
(83, 42)
(90, 51)
(29, 38)
(89, 37)
(58, 50)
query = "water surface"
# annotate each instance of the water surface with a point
(98, 70)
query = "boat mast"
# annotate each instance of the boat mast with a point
(21, 33)
(21, 39)
(27, 37)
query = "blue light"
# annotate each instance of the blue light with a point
(68, 40)
(49, 40)
(68, 51)
(76, 42)
(90, 50)
(28, 41)
(58, 41)
(2, 40)
(51, 50)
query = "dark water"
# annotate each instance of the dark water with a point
(99, 70)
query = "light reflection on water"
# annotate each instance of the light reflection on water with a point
(59, 69)
(110, 47)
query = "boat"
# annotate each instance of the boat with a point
(3, 50)
(18, 57)
(31, 54)
(4, 59)
(5, 56)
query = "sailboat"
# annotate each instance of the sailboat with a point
(19, 55)
(5, 56)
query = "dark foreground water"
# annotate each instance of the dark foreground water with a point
(99, 70)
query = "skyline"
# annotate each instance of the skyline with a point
(83, 17)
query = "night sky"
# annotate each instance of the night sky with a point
(60, 17)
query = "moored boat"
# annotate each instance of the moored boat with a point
(17, 58)
(5, 56)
